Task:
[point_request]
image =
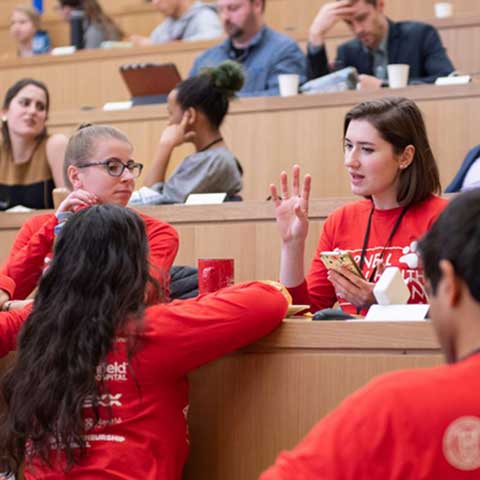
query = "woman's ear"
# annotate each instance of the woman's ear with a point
(407, 156)
(73, 174)
(192, 116)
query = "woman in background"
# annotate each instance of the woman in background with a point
(25, 29)
(31, 160)
(196, 110)
(98, 27)
(99, 388)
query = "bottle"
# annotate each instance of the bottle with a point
(77, 18)
(41, 42)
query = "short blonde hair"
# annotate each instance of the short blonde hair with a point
(31, 13)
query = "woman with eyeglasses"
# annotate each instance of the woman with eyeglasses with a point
(31, 160)
(99, 388)
(100, 170)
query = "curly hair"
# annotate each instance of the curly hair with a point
(93, 289)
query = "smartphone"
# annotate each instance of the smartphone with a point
(341, 258)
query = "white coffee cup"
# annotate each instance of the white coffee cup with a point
(443, 9)
(288, 84)
(398, 75)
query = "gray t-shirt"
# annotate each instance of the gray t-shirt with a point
(212, 171)
(199, 22)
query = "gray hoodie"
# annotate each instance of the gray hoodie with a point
(199, 22)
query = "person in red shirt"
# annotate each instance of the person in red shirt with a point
(391, 164)
(99, 169)
(99, 387)
(422, 423)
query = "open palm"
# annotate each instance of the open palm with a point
(292, 211)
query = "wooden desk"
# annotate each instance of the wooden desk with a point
(271, 134)
(91, 77)
(247, 407)
(244, 231)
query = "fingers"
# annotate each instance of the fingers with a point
(284, 185)
(295, 180)
(274, 194)
(78, 199)
(307, 184)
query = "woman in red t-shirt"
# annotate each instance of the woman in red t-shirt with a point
(390, 164)
(99, 387)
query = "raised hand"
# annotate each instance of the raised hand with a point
(292, 219)
(327, 17)
(76, 200)
(292, 211)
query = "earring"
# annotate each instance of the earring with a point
(4, 118)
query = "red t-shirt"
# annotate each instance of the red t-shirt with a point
(148, 438)
(419, 424)
(345, 229)
(34, 242)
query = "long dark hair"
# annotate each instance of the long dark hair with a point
(93, 289)
(95, 14)
(12, 92)
(399, 122)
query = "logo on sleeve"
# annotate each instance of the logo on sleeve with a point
(461, 443)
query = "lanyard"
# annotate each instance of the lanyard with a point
(389, 241)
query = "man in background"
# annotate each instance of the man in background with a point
(263, 52)
(185, 20)
(378, 42)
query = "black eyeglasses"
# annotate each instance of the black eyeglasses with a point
(116, 167)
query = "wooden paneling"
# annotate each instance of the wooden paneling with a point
(91, 78)
(271, 134)
(244, 231)
(135, 16)
(247, 407)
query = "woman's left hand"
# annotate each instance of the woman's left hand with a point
(176, 133)
(352, 288)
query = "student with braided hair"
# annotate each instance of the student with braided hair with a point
(196, 108)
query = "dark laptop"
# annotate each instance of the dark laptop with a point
(150, 82)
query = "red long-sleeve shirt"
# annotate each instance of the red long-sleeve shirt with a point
(147, 437)
(421, 424)
(345, 229)
(34, 243)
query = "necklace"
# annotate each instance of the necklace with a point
(389, 240)
(211, 144)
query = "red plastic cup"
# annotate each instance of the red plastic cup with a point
(214, 274)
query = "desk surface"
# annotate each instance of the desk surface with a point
(247, 407)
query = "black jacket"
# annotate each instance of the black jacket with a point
(417, 44)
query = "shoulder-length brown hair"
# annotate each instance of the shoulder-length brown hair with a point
(399, 122)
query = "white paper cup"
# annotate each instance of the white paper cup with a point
(398, 75)
(288, 84)
(443, 9)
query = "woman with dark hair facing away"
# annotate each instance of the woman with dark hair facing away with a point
(196, 109)
(98, 27)
(99, 387)
(100, 170)
(31, 160)
(391, 164)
